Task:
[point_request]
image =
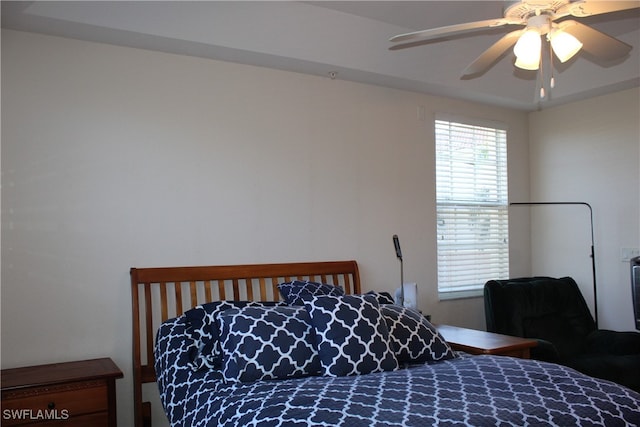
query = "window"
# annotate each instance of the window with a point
(472, 207)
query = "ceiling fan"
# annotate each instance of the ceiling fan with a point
(538, 18)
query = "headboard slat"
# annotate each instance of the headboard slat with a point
(148, 321)
(221, 290)
(178, 298)
(236, 289)
(193, 293)
(163, 302)
(153, 306)
(263, 288)
(207, 292)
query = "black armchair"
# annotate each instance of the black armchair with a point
(554, 312)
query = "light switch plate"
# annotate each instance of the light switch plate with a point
(627, 253)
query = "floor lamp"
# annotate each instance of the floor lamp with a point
(593, 254)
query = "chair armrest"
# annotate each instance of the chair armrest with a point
(545, 351)
(613, 342)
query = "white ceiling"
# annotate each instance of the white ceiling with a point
(347, 37)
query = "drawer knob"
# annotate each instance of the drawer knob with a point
(51, 405)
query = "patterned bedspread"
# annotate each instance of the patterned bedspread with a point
(470, 390)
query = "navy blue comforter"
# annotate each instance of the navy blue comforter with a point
(470, 390)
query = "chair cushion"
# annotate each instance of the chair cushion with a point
(613, 342)
(622, 369)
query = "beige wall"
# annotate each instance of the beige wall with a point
(589, 151)
(115, 157)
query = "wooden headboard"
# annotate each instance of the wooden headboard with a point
(162, 293)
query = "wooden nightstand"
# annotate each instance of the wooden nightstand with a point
(72, 394)
(480, 342)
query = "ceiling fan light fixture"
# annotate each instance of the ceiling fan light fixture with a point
(564, 45)
(533, 64)
(536, 18)
(527, 50)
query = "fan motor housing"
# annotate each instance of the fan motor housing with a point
(525, 9)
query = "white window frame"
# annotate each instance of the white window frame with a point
(472, 205)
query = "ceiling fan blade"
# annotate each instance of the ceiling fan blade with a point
(491, 55)
(584, 8)
(451, 30)
(599, 44)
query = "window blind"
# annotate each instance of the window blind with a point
(472, 207)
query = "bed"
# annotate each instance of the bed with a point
(336, 357)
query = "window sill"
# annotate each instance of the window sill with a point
(471, 293)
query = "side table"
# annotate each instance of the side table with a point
(81, 393)
(480, 342)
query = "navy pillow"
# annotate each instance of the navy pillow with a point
(295, 292)
(267, 343)
(201, 326)
(351, 335)
(382, 297)
(412, 337)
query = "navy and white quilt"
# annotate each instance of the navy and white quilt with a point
(467, 390)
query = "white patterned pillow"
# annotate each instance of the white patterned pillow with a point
(412, 337)
(267, 343)
(294, 292)
(352, 337)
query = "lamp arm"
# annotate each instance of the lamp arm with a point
(396, 244)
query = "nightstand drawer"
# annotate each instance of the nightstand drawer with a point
(71, 394)
(58, 401)
(100, 419)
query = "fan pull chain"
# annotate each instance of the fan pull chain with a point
(541, 75)
(552, 81)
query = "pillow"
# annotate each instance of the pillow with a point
(351, 335)
(382, 297)
(202, 328)
(412, 337)
(267, 343)
(295, 292)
